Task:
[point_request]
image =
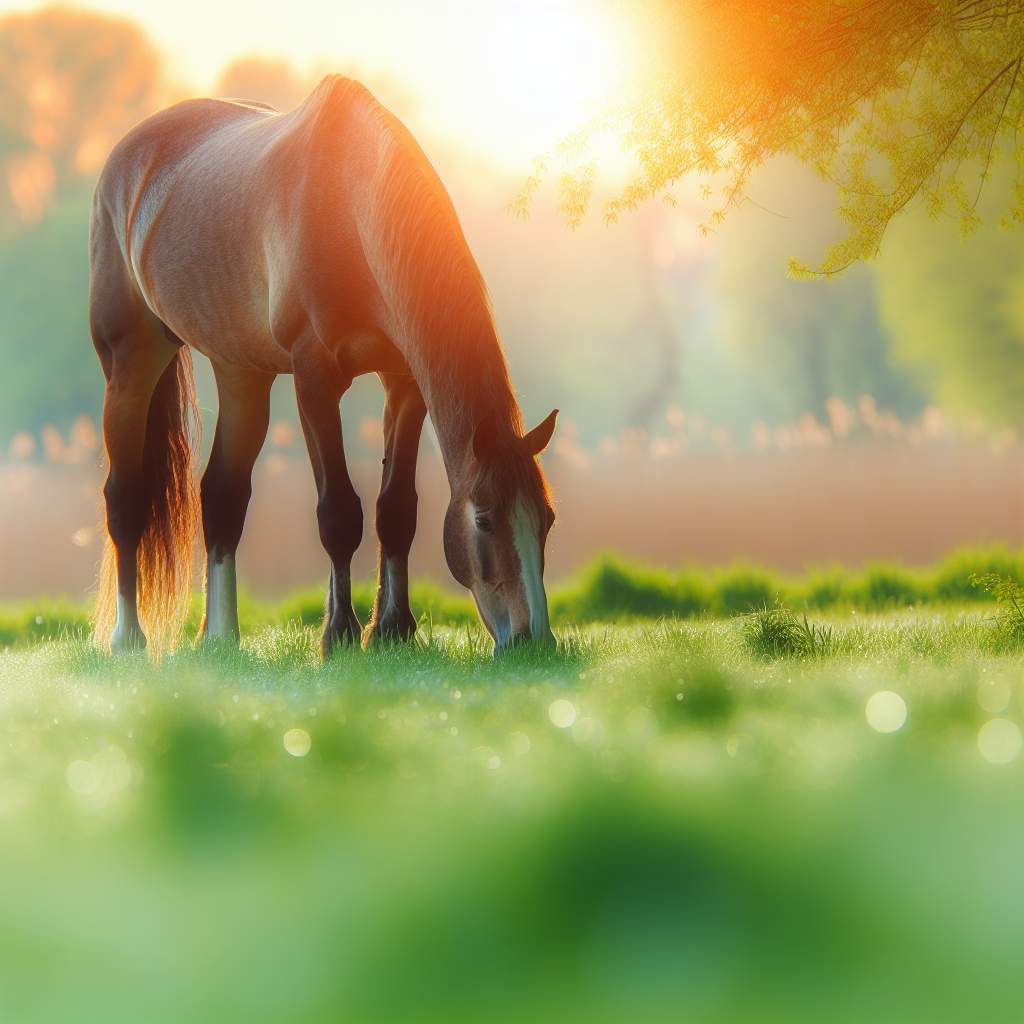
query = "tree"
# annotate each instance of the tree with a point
(71, 83)
(267, 79)
(958, 322)
(803, 341)
(891, 101)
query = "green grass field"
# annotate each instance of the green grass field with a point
(701, 820)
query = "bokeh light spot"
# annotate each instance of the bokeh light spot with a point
(1000, 741)
(297, 742)
(886, 711)
(562, 713)
(994, 696)
(82, 777)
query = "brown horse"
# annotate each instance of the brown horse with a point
(319, 243)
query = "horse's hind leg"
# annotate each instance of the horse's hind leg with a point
(134, 364)
(242, 421)
(319, 386)
(136, 355)
(404, 412)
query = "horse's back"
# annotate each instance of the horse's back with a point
(241, 227)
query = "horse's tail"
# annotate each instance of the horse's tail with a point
(172, 500)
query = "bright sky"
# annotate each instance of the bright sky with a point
(510, 77)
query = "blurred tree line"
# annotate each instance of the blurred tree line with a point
(715, 326)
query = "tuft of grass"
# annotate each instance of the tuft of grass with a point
(775, 631)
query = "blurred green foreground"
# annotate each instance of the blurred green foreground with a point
(658, 823)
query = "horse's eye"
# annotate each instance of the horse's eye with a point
(484, 524)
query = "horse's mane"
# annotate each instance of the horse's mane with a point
(424, 266)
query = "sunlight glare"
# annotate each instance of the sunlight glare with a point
(543, 70)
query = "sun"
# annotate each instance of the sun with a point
(523, 77)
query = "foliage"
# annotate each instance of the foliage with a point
(71, 83)
(1009, 595)
(265, 79)
(955, 316)
(890, 101)
(804, 342)
(44, 280)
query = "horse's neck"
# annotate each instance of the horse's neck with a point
(464, 379)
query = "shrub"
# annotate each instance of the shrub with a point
(43, 620)
(744, 588)
(823, 588)
(953, 579)
(611, 589)
(886, 586)
(1008, 623)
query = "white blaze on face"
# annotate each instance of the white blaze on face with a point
(526, 535)
(222, 598)
(492, 609)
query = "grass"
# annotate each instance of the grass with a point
(659, 821)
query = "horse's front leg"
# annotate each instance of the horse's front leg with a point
(404, 412)
(318, 389)
(242, 422)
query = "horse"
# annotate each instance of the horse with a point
(319, 243)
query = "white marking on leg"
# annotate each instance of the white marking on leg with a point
(127, 631)
(390, 583)
(525, 534)
(221, 598)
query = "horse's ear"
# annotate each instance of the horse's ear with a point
(537, 439)
(485, 437)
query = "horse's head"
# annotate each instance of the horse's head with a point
(496, 528)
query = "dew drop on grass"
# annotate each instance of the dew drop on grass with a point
(297, 742)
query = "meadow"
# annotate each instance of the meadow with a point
(779, 815)
(609, 589)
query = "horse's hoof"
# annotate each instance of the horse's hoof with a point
(345, 633)
(398, 628)
(127, 641)
(218, 641)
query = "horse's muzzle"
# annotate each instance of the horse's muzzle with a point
(544, 641)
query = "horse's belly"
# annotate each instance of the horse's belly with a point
(221, 312)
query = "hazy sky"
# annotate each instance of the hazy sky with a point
(509, 76)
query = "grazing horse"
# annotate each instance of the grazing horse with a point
(319, 243)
